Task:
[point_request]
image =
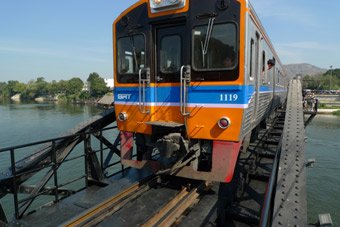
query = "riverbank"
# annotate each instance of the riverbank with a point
(327, 111)
(105, 100)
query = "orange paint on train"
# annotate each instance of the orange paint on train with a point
(202, 122)
(242, 47)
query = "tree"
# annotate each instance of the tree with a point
(97, 85)
(321, 82)
(74, 86)
(31, 91)
(19, 87)
(62, 85)
(4, 92)
(309, 82)
(334, 72)
(41, 86)
(84, 95)
(15, 87)
(52, 88)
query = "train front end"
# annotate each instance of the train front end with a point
(179, 86)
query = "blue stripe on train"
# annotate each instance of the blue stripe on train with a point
(196, 94)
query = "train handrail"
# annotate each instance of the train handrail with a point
(142, 87)
(185, 75)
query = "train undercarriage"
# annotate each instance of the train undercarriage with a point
(169, 150)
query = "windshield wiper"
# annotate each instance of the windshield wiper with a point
(135, 64)
(207, 39)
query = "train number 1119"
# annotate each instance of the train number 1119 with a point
(228, 97)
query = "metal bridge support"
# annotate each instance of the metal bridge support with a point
(50, 156)
(290, 206)
(94, 169)
(2, 216)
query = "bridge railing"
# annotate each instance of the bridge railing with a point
(98, 162)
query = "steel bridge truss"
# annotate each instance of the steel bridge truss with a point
(270, 172)
(47, 160)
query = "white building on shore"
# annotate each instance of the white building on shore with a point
(109, 83)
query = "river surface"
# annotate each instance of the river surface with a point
(323, 180)
(24, 123)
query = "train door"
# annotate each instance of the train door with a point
(172, 73)
(257, 76)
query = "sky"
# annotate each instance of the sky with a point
(64, 39)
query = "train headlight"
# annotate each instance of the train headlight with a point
(122, 116)
(157, 2)
(223, 123)
(164, 5)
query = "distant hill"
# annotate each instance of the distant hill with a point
(304, 69)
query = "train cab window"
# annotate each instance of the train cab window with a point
(215, 47)
(170, 54)
(131, 58)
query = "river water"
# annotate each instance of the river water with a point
(323, 180)
(24, 123)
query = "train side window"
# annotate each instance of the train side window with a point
(263, 68)
(170, 54)
(131, 57)
(252, 44)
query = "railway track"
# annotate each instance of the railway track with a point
(169, 201)
(97, 214)
(169, 211)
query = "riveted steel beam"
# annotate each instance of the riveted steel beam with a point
(290, 199)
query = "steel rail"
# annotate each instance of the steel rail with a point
(175, 215)
(173, 210)
(106, 208)
(154, 219)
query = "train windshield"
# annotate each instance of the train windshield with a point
(170, 54)
(215, 47)
(131, 58)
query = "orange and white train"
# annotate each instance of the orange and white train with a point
(193, 79)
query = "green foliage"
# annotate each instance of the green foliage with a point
(97, 85)
(309, 82)
(41, 86)
(4, 92)
(334, 72)
(74, 86)
(326, 81)
(14, 87)
(66, 90)
(337, 113)
(53, 88)
(322, 106)
(84, 95)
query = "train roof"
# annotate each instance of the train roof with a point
(252, 13)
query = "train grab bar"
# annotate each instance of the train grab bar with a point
(185, 82)
(143, 83)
